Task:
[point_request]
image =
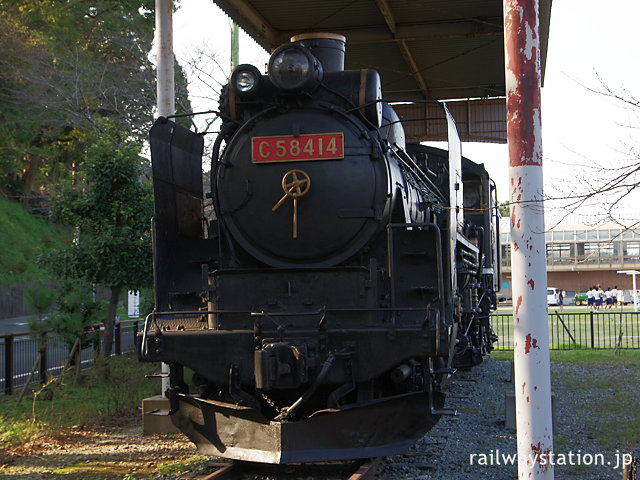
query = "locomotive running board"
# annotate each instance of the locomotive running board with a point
(241, 433)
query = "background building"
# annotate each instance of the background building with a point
(580, 256)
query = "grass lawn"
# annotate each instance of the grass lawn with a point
(630, 358)
(102, 395)
(576, 328)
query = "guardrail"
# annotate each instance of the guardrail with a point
(19, 352)
(572, 330)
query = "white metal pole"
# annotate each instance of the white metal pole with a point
(528, 256)
(165, 83)
(635, 293)
(164, 65)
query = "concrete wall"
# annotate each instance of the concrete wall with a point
(12, 301)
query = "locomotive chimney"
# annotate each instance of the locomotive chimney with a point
(328, 48)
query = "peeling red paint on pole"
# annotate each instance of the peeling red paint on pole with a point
(530, 343)
(522, 20)
(529, 276)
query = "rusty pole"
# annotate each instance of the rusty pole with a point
(165, 83)
(528, 256)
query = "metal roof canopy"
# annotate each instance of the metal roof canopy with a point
(423, 49)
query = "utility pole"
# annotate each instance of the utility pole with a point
(528, 255)
(165, 84)
(235, 45)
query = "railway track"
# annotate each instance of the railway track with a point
(354, 470)
(422, 458)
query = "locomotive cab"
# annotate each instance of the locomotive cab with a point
(324, 290)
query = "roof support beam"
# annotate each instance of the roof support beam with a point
(386, 12)
(415, 71)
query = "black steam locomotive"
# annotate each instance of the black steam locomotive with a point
(341, 279)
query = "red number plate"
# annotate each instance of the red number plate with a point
(287, 148)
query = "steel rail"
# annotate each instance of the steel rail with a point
(364, 470)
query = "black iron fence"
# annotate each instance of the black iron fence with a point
(572, 330)
(20, 352)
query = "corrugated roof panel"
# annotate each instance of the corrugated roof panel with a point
(330, 14)
(479, 120)
(407, 11)
(441, 64)
(423, 49)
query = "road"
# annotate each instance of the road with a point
(14, 325)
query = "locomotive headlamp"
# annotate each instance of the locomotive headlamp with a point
(245, 79)
(292, 67)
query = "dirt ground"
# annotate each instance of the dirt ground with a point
(110, 453)
(596, 409)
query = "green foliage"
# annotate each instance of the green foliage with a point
(40, 297)
(111, 206)
(117, 378)
(90, 403)
(76, 312)
(23, 237)
(585, 356)
(503, 209)
(147, 301)
(166, 470)
(63, 65)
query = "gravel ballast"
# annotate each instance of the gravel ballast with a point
(457, 446)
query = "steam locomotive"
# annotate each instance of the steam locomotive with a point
(342, 278)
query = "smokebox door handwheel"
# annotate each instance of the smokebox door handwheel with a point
(294, 187)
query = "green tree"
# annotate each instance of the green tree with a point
(76, 312)
(110, 204)
(40, 297)
(503, 209)
(62, 64)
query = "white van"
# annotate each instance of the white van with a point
(553, 296)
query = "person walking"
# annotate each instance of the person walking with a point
(608, 297)
(590, 298)
(614, 296)
(599, 297)
(560, 299)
